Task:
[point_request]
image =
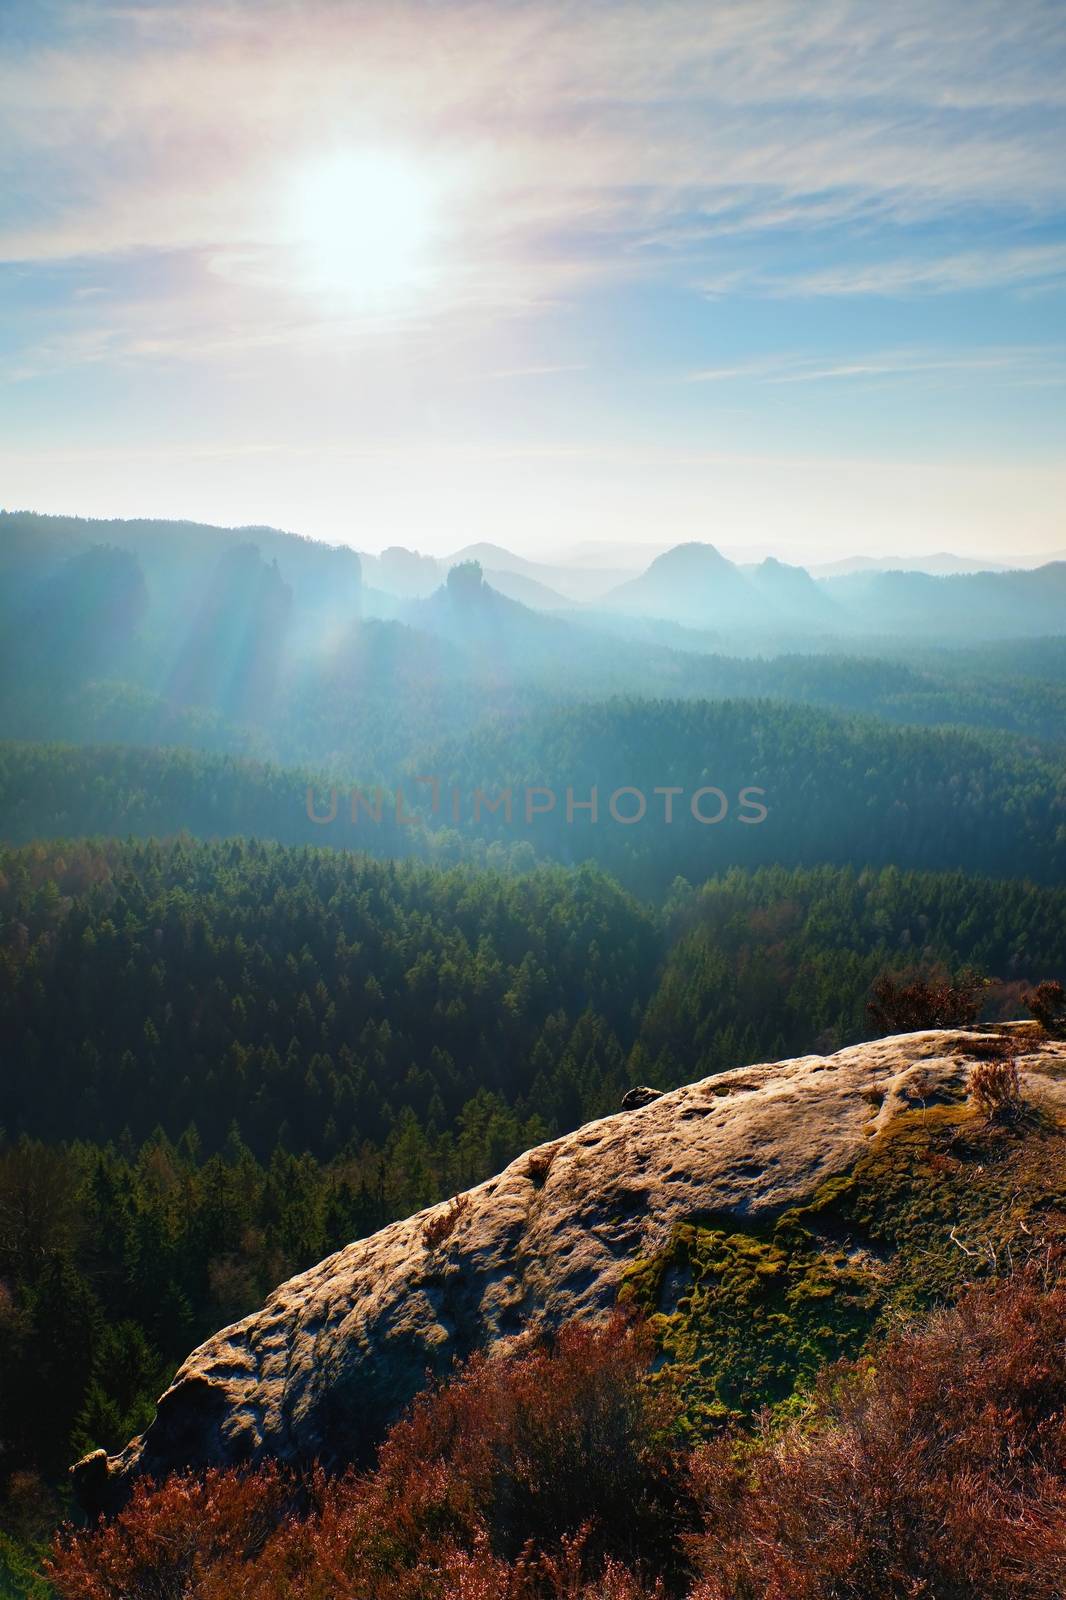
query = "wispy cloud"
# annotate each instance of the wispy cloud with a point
(1028, 266)
(171, 128)
(1025, 366)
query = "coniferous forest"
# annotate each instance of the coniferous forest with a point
(284, 956)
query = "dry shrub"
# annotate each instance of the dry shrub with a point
(544, 1443)
(996, 1088)
(939, 1471)
(442, 1224)
(565, 1576)
(352, 1551)
(909, 1003)
(192, 1536)
(1047, 1002)
(942, 1472)
(536, 1476)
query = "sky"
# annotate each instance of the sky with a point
(787, 277)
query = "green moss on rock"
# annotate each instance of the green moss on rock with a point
(745, 1316)
(742, 1319)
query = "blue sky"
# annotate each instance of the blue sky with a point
(783, 276)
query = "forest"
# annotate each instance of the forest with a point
(236, 1038)
(319, 998)
(838, 790)
(227, 1059)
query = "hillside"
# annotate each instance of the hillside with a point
(836, 789)
(955, 606)
(325, 1002)
(768, 1220)
(693, 583)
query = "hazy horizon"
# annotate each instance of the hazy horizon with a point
(632, 555)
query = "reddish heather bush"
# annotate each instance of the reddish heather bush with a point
(1047, 1002)
(192, 1536)
(341, 1556)
(907, 1003)
(530, 1477)
(546, 1442)
(940, 1472)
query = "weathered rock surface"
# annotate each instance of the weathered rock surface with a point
(338, 1351)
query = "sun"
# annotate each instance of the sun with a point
(364, 224)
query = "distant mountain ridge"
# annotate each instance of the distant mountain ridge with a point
(690, 599)
(1006, 604)
(695, 585)
(940, 565)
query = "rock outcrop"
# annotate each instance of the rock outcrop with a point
(337, 1352)
(633, 1099)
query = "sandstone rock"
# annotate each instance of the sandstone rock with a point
(337, 1352)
